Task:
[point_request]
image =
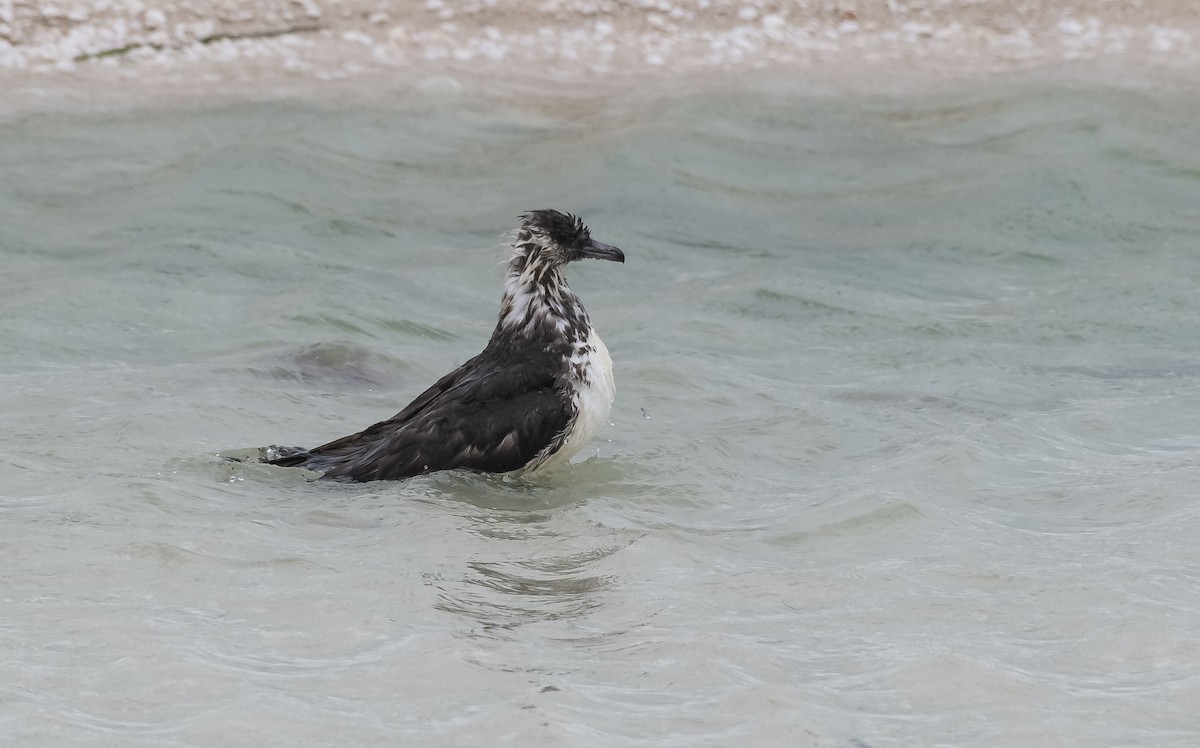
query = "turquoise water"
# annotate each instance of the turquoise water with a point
(905, 448)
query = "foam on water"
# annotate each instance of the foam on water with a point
(904, 451)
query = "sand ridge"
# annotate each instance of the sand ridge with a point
(197, 42)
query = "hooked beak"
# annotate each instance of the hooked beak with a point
(601, 251)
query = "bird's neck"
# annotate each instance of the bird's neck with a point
(538, 303)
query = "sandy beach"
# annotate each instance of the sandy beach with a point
(89, 50)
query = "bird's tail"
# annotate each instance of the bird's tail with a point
(285, 456)
(272, 455)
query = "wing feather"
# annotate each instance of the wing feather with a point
(487, 416)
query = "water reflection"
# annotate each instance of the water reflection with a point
(534, 559)
(507, 594)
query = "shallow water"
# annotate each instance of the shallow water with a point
(905, 448)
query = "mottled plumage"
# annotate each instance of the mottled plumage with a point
(541, 388)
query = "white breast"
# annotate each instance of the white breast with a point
(593, 399)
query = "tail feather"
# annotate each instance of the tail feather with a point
(285, 456)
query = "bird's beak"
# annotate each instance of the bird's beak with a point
(601, 251)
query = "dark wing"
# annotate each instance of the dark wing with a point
(346, 444)
(482, 416)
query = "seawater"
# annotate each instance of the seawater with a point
(905, 450)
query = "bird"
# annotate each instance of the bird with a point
(538, 392)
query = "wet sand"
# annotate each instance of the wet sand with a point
(164, 50)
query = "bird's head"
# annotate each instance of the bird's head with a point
(550, 239)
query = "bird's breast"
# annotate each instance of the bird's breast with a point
(591, 376)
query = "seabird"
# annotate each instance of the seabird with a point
(539, 391)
